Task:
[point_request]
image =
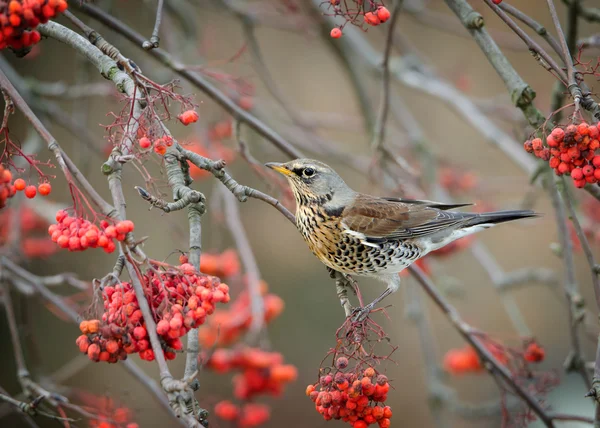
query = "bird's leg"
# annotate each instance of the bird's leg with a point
(360, 314)
(341, 285)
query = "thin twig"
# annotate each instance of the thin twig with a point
(154, 41)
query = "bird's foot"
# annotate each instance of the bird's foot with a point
(360, 314)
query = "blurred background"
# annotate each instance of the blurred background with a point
(308, 73)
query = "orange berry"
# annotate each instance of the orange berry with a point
(83, 326)
(93, 326)
(369, 372)
(20, 184)
(44, 189)
(309, 389)
(284, 373)
(160, 147)
(6, 176)
(14, 7)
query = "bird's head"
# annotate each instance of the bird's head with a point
(311, 180)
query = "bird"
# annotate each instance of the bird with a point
(364, 235)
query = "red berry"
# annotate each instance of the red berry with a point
(372, 19)
(537, 144)
(336, 33)
(383, 14)
(226, 410)
(558, 134)
(145, 142)
(588, 170)
(139, 333)
(187, 117)
(44, 189)
(496, 1)
(577, 174)
(30, 192)
(534, 353)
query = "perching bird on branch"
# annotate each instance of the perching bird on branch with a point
(366, 235)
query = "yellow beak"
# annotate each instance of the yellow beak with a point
(279, 167)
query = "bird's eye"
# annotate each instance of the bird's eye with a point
(308, 172)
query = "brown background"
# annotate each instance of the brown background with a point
(309, 74)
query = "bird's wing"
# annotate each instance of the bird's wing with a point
(376, 220)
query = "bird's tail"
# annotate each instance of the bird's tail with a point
(499, 217)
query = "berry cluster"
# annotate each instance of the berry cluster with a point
(222, 265)
(378, 14)
(247, 416)
(352, 396)
(77, 234)
(30, 225)
(105, 412)
(570, 150)
(7, 188)
(456, 181)
(216, 150)
(262, 372)
(466, 360)
(180, 300)
(228, 325)
(188, 116)
(30, 190)
(18, 17)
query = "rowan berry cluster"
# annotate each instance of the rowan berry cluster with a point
(108, 414)
(247, 415)
(372, 12)
(226, 326)
(7, 187)
(30, 190)
(78, 234)
(222, 265)
(466, 359)
(354, 396)
(570, 150)
(18, 18)
(180, 299)
(456, 181)
(215, 150)
(260, 373)
(31, 225)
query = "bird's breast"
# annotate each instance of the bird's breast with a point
(346, 253)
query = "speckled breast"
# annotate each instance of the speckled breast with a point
(346, 253)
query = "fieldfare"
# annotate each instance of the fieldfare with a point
(366, 235)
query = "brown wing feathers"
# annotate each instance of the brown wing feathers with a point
(382, 219)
